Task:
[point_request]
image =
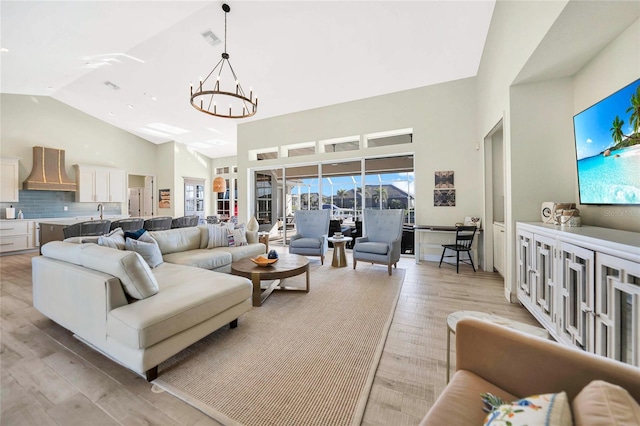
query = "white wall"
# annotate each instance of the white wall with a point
(615, 67)
(190, 164)
(166, 166)
(443, 118)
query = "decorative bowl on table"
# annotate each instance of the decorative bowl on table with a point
(263, 261)
(337, 235)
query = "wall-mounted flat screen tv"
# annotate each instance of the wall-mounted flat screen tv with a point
(607, 137)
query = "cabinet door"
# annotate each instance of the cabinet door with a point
(101, 184)
(116, 186)
(9, 180)
(85, 182)
(576, 325)
(544, 277)
(525, 245)
(617, 309)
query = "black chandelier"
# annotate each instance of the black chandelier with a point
(214, 102)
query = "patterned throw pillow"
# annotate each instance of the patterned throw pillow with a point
(550, 409)
(218, 235)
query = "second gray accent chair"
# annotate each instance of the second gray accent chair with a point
(382, 240)
(310, 238)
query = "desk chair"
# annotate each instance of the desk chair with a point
(464, 239)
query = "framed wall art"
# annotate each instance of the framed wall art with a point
(444, 179)
(444, 197)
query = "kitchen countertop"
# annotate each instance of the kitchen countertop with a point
(63, 220)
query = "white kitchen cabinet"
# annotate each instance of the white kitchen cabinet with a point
(16, 235)
(583, 285)
(99, 184)
(499, 243)
(9, 184)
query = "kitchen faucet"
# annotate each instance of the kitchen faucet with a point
(101, 210)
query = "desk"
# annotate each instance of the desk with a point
(430, 230)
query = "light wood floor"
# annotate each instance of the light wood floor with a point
(48, 377)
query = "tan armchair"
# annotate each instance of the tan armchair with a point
(512, 365)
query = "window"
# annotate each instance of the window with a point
(395, 137)
(350, 143)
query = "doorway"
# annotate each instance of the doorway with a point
(194, 197)
(140, 196)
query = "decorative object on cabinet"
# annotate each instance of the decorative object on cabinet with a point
(570, 218)
(444, 197)
(9, 185)
(219, 184)
(245, 106)
(48, 172)
(444, 179)
(582, 286)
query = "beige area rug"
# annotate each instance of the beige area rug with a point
(299, 359)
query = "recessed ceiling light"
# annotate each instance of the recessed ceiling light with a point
(167, 128)
(130, 106)
(3, 50)
(210, 37)
(153, 98)
(217, 142)
(154, 132)
(112, 114)
(50, 88)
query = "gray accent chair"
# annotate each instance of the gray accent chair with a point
(382, 240)
(311, 233)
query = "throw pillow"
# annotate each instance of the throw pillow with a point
(240, 235)
(135, 235)
(147, 248)
(114, 239)
(218, 235)
(602, 403)
(550, 409)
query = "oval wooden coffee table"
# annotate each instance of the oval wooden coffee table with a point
(288, 265)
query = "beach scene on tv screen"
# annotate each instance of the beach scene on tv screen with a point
(608, 149)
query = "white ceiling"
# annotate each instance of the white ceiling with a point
(295, 55)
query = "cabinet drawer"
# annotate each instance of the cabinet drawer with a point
(13, 243)
(13, 228)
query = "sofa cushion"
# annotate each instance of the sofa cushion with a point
(114, 239)
(601, 403)
(303, 242)
(64, 250)
(177, 239)
(179, 305)
(242, 252)
(372, 247)
(218, 234)
(460, 403)
(134, 273)
(549, 409)
(201, 258)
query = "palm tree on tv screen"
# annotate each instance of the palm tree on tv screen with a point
(616, 131)
(634, 109)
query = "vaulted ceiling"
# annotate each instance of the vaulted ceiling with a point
(295, 56)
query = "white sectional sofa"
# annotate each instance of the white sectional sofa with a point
(136, 315)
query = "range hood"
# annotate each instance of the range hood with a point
(48, 172)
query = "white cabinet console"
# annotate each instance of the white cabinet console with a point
(583, 285)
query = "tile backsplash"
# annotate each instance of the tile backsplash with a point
(39, 204)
